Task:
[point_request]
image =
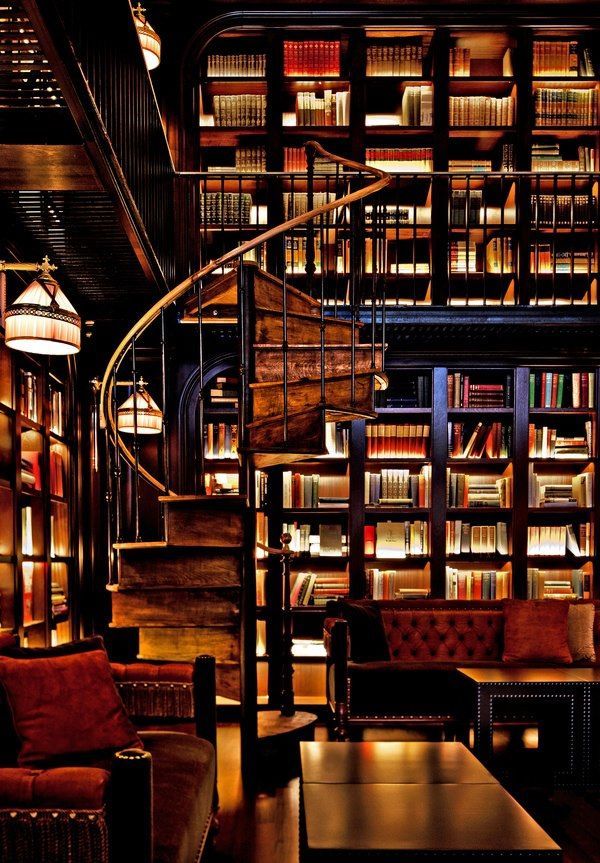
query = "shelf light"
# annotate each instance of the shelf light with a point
(41, 320)
(149, 38)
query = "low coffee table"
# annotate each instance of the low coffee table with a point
(410, 801)
(516, 689)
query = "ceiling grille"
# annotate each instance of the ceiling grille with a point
(26, 79)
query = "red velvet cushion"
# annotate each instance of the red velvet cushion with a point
(443, 634)
(58, 788)
(536, 631)
(65, 707)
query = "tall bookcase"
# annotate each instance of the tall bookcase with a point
(38, 547)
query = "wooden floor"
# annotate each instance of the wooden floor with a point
(265, 828)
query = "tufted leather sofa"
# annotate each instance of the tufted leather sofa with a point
(410, 674)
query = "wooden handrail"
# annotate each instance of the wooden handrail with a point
(106, 391)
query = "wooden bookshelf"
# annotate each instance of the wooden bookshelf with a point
(38, 558)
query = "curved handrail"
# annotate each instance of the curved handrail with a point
(106, 390)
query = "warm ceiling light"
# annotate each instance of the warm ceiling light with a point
(149, 38)
(42, 320)
(139, 414)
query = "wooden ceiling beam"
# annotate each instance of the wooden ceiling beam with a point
(47, 167)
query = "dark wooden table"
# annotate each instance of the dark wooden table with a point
(410, 801)
(506, 690)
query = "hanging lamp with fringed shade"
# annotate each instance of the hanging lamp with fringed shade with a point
(149, 38)
(139, 414)
(42, 320)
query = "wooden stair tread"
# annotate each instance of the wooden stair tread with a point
(330, 379)
(136, 588)
(139, 546)
(174, 546)
(205, 499)
(312, 318)
(332, 410)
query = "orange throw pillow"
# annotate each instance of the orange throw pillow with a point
(535, 630)
(65, 708)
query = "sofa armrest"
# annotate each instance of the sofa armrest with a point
(131, 807)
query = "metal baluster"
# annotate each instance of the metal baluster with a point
(165, 427)
(117, 461)
(554, 239)
(200, 482)
(468, 239)
(485, 193)
(136, 451)
(310, 228)
(284, 346)
(322, 312)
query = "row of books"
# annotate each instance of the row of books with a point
(329, 541)
(558, 583)
(464, 392)
(546, 442)
(311, 588)
(296, 203)
(482, 111)
(562, 389)
(559, 211)
(565, 106)
(240, 109)
(398, 583)
(460, 62)
(314, 490)
(224, 392)
(408, 391)
(28, 395)
(56, 411)
(59, 531)
(392, 215)
(400, 159)
(548, 490)
(393, 487)
(417, 106)
(236, 65)
(548, 258)
(465, 538)
(477, 584)
(251, 160)
(465, 207)
(565, 58)
(484, 440)
(220, 440)
(226, 208)
(331, 109)
(336, 440)
(397, 441)
(468, 256)
(400, 59)
(312, 58)
(548, 158)
(556, 540)
(478, 490)
(294, 161)
(390, 540)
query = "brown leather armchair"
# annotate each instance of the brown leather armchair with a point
(155, 805)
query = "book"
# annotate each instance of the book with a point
(330, 540)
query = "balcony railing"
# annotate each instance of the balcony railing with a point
(429, 239)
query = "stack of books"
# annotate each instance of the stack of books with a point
(547, 158)
(393, 487)
(236, 65)
(465, 257)
(398, 583)
(556, 540)
(464, 392)
(477, 584)
(220, 440)
(224, 393)
(397, 441)
(400, 59)
(562, 389)
(558, 584)
(478, 490)
(482, 111)
(58, 603)
(314, 58)
(546, 442)
(31, 470)
(312, 491)
(464, 538)
(246, 110)
(562, 490)
(311, 588)
(469, 166)
(485, 439)
(564, 106)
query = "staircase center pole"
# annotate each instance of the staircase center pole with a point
(287, 669)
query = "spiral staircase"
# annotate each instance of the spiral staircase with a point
(300, 367)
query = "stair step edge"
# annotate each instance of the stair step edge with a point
(205, 499)
(143, 588)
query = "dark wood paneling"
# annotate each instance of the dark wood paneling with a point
(46, 167)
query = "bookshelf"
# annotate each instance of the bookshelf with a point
(38, 557)
(421, 534)
(488, 227)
